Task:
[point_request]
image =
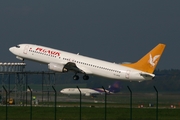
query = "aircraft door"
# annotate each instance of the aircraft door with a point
(127, 74)
(26, 49)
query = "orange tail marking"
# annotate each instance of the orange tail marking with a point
(148, 62)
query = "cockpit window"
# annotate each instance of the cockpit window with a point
(17, 46)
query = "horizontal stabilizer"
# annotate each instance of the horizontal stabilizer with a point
(147, 75)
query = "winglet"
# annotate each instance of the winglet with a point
(148, 62)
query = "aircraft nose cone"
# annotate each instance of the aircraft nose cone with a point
(61, 91)
(11, 49)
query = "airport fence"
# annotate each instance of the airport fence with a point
(123, 105)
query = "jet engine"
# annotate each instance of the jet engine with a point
(57, 67)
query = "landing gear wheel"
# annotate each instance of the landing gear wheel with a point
(76, 77)
(85, 77)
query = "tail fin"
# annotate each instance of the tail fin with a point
(149, 62)
(115, 87)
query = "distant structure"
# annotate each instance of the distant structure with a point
(7, 70)
(12, 67)
(14, 79)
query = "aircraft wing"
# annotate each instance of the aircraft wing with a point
(73, 67)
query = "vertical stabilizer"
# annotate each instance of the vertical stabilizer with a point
(115, 87)
(148, 62)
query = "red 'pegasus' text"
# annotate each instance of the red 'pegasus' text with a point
(47, 51)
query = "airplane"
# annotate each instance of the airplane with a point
(114, 88)
(62, 61)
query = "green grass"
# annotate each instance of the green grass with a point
(117, 108)
(87, 113)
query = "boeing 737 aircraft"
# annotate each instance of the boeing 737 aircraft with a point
(114, 88)
(61, 61)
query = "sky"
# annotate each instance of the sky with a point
(116, 31)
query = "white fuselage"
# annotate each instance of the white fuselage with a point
(84, 91)
(88, 65)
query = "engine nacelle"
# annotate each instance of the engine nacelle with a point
(57, 67)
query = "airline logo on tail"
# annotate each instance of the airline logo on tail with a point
(148, 62)
(153, 60)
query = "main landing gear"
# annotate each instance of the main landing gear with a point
(76, 77)
(85, 77)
